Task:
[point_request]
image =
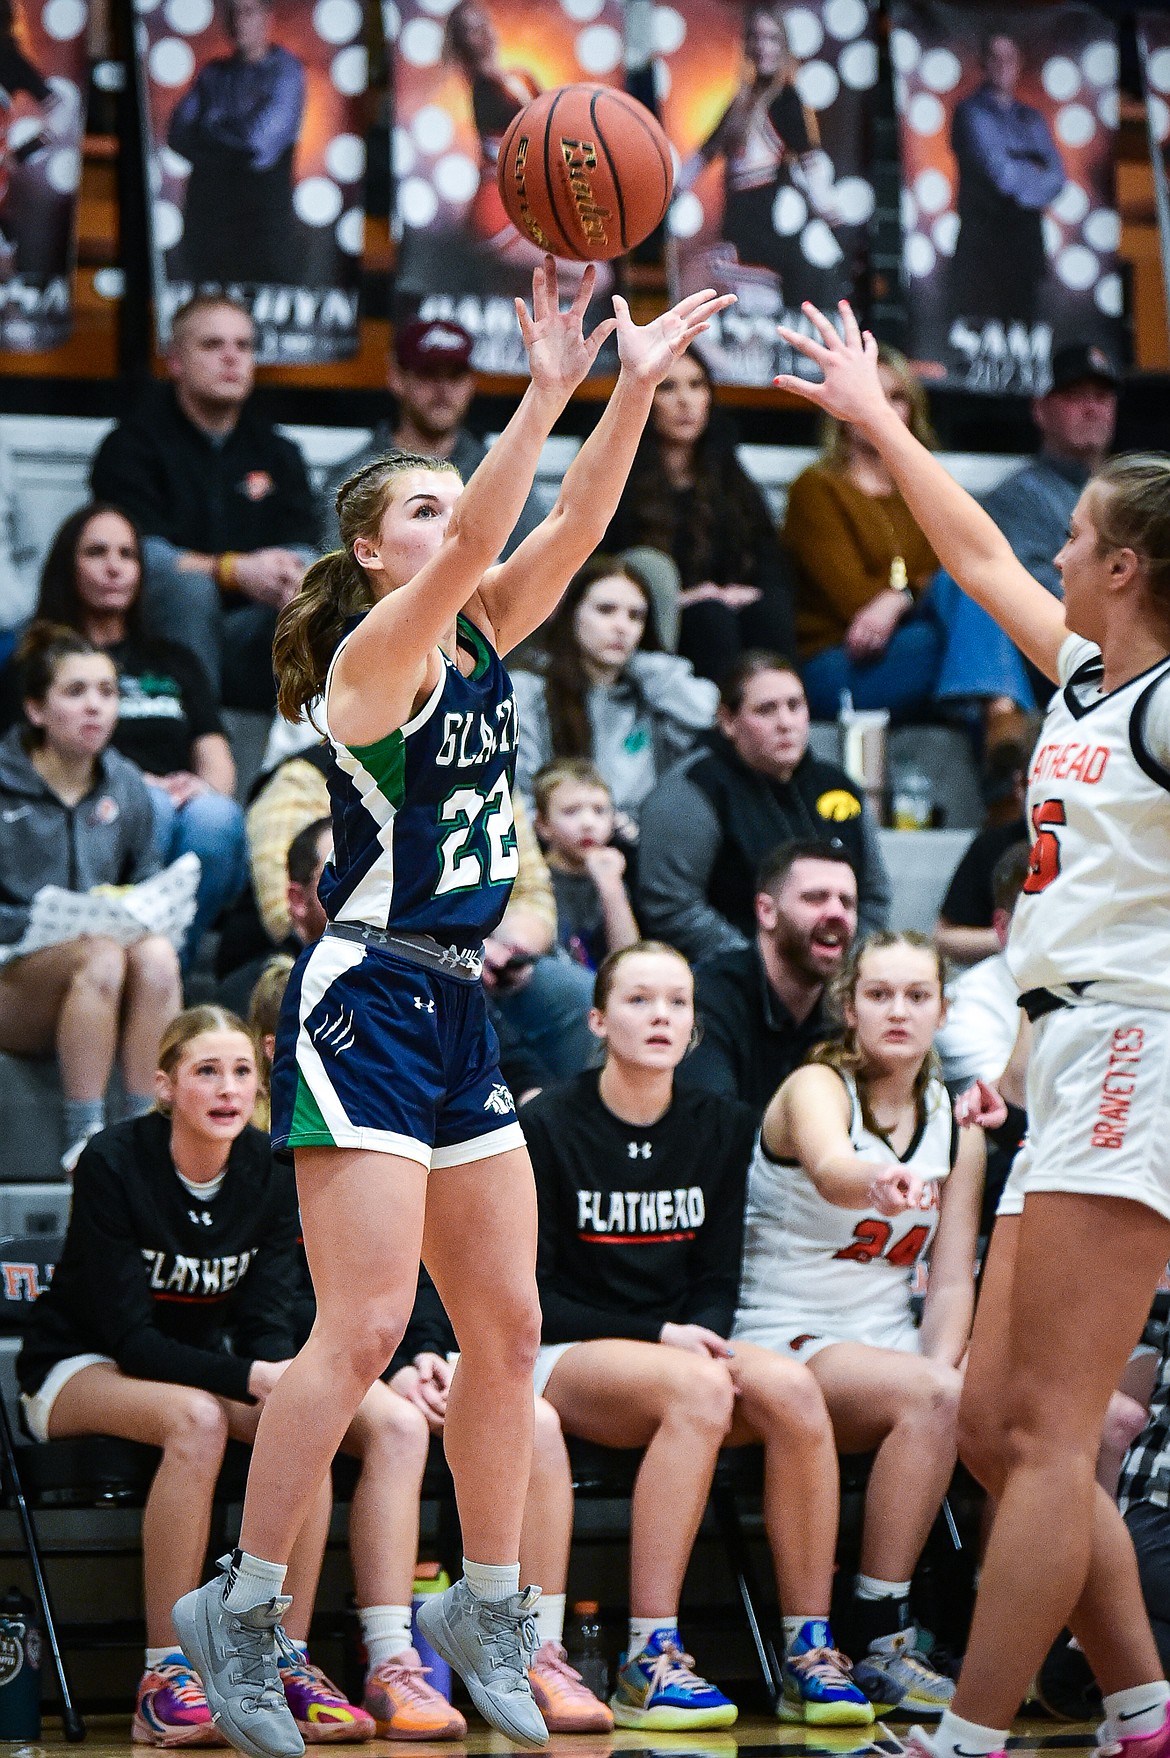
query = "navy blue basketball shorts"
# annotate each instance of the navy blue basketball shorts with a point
(373, 1051)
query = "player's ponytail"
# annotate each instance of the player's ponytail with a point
(1134, 513)
(844, 1053)
(336, 587)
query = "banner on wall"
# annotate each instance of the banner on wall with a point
(1154, 48)
(461, 72)
(255, 162)
(768, 107)
(42, 125)
(1007, 121)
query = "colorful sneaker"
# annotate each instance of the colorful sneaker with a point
(562, 1696)
(875, 1682)
(319, 1708)
(171, 1709)
(405, 1707)
(1155, 1745)
(817, 1687)
(924, 1690)
(659, 1688)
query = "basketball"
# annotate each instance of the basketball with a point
(585, 171)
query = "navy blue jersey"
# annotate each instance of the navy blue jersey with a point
(424, 838)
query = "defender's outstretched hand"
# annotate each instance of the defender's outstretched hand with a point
(648, 351)
(850, 389)
(559, 352)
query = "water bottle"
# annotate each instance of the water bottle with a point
(20, 1668)
(430, 1578)
(586, 1652)
(913, 799)
(861, 740)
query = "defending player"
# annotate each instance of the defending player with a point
(1084, 1227)
(386, 1068)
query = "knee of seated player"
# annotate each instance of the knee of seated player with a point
(933, 1394)
(100, 968)
(1125, 1419)
(781, 1398)
(701, 1394)
(390, 1427)
(549, 1453)
(196, 1432)
(155, 964)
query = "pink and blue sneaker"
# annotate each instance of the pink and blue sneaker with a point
(817, 1687)
(659, 1688)
(320, 1710)
(171, 1709)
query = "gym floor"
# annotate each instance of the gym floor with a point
(753, 1736)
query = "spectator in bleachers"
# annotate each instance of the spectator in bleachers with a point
(859, 1175)
(433, 384)
(222, 501)
(715, 817)
(77, 815)
(575, 823)
(635, 1350)
(168, 1321)
(168, 721)
(863, 567)
(965, 930)
(762, 1009)
(608, 693)
(983, 1003)
(689, 498)
(308, 852)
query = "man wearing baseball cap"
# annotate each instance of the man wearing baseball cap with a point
(433, 384)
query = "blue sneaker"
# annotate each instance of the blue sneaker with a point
(658, 1688)
(817, 1687)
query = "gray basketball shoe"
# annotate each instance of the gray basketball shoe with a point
(234, 1654)
(491, 1645)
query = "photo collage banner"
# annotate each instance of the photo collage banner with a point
(255, 163)
(1007, 120)
(768, 108)
(461, 72)
(43, 76)
(1154, 48)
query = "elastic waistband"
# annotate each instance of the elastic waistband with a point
(1037, 1002)
(459, 962)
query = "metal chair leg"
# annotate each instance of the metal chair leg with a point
(71, 1720)
(735, 1545)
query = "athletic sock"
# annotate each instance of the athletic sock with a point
(83, 1118)
(492, 1580)
(641, 1630)
(1135, 1713)
(550, 1617)
(301, 1647)
(156, 1657)
(252, 1582)
(880, 1609)
(385, 1632)
(797, 1642)
(957, 1738)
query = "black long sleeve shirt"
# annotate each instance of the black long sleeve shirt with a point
(640, 1226)
(163, 1282)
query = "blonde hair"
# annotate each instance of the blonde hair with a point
(264, 1009)
(1134, 513)
(834, 434)
(561, 770)
(191, 1024)
(336, 587)
(845, 1053)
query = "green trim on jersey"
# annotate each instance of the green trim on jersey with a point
(309, 1128)
(385, 762)
(478, 645)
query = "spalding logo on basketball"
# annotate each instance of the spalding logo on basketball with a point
(585, 171)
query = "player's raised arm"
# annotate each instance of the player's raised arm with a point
(519, 594)
(965, 539)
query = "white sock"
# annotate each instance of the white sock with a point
(252, 1582)
(156, 1657)
(385, 1632)
(1137, 1712)
(492, 1580)
(641, 1630)
(302, 1648)
(954, 1734)
(794, 1625)
(871, 1587)
(550, 1617)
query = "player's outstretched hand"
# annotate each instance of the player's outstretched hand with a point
(559, 352)
(851, 389)
(982, 1105)
(894, 1189)
(648, 351)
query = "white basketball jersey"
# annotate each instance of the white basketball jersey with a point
(1093, 922)
(844, 1271)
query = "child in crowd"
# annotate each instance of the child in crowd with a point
(575, 822)
(77, 815)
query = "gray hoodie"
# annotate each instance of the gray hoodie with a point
(105, 839)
